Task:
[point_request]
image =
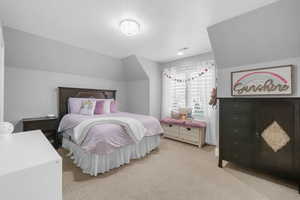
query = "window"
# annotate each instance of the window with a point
(178, 92)
(188, 87)
(184, 88)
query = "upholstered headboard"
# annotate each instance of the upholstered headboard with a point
(65, 93)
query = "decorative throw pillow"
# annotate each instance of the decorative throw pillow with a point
(74, 105)
(113, 107)
(87, 107)
(106, 106)
(99, 109)
(107, 103)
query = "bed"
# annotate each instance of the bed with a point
(104, 145)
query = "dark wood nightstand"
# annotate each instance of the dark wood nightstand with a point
(48, 125)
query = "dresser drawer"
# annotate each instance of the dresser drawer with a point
(238, 120)
(237, 107)
(190, 134)
(242, 134)
(171, 130)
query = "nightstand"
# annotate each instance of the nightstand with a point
(48, 125)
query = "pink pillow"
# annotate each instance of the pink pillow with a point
(113, 107)
(99, 109)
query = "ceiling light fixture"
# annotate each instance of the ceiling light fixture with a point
(129, 27)
(181, 51)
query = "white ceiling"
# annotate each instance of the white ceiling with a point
(167, 25)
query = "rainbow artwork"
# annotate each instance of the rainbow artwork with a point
(265, 81)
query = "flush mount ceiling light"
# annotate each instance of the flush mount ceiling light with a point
(129, 27)
(181, 51)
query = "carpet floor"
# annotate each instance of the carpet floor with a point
(175, 171)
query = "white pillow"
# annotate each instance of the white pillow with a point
(87, 107)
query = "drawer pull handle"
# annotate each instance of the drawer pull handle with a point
(188, 129)
(257, 134)
(170, 125)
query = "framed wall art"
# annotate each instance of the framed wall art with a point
(271, 81)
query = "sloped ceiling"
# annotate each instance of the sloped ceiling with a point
(167, 25)
(267, 34)
(24, 50)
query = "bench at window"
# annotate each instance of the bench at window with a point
(189, 131)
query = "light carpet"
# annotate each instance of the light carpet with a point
(175, 171)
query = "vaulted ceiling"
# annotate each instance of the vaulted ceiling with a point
(166, 25)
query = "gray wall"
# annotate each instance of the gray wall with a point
(138, 96)
(143, 85)
(263, 35)
(137, 86)
(33, 93)
(36, 66)
(133, 69)
(266, 37)
(153, 72)
(224, 75)
(188, 60)
(145, 96)
(1, 74)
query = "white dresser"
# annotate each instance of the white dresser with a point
(30, 168)
(1, 73)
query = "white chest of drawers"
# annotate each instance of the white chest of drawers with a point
(30, 168)
(191, 135)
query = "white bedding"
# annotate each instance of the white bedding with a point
(107, 137)
(134, 128)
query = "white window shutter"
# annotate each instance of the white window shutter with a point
(191, 94)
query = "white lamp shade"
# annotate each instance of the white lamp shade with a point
(6, 128)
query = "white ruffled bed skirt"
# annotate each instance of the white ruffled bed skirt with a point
(93, 163)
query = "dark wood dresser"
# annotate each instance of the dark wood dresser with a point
(261, 133)
(48, 125)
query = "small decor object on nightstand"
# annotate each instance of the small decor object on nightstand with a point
(48, 125)
(6, 128)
